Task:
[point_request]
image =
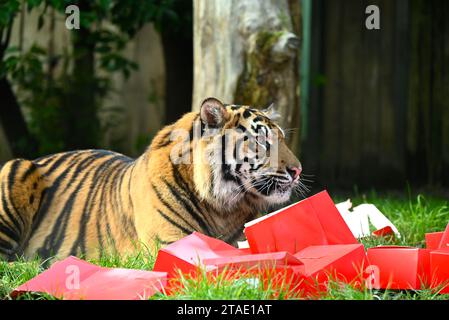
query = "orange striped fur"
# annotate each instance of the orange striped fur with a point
(84, 202)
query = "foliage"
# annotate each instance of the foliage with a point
(63, 92)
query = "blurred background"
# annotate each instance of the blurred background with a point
(366, 108)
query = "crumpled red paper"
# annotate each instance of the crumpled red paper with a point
(308, 241)
(75, 279)
(306, 244)
(313, 221)
(413, 268)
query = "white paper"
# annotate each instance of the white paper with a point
(257, 220)
(359, 219)
(243, 244)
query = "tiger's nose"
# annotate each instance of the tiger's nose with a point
(294, 172)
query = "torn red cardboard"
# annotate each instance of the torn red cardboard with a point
(75, 279)
(384, 232)
(444, 242)
(189, 253)
(249, 261)
(439, 270)
(433, 240)
(195, 252)
(343, 263)
(279, 271)
(313, 221)
(400, 267)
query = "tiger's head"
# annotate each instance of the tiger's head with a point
(240, 154)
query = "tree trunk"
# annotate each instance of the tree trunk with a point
(246, 52)
(178, 57)
(13, 123)
(82, 125)
(12, 120)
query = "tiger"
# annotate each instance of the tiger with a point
(83, 203)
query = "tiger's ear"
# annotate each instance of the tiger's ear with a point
(213, 112)
(272, 113)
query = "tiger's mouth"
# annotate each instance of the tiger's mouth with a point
(275, 189)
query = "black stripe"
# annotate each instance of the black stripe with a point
(111, 198)
(223, 149)
(110, 238)
(106, 174)
(11, 181)
(238, 167)
(10, 233)
(6, 248)
(163, 242)
(114, 188)
(94, 188)
(12, 217)
(61, 160)
(169, 207)
(186, 231)
(55, 238)
(163, 141)
(129, 187)
(191, 211)
(49, 193)
(129, 226)
(12, 174)
(258, 127)
(79, 166)
(228, 176)
(241, 128)
(246, 114)
(28, 172)
(190, 195)
(99, 234)
(43, 161)
(185, 187)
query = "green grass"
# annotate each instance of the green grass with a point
(414, 216)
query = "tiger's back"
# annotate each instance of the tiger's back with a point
(65, 204)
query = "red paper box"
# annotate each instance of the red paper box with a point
(313, 221)
(384, 232)
(276, 270)
(439, 270)
(279, 271)
(400, 267)
(190, 252)
(433, 240)
(344, 263)
(262, 260)
(75, 279)
(444, 243)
